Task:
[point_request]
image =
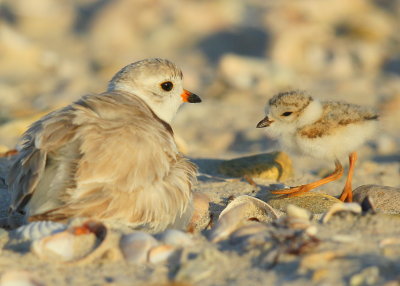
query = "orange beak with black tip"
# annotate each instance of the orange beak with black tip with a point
(190, 97)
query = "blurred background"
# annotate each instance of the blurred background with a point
(234, 54)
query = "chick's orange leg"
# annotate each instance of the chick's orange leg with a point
(347, 194)
(297, 191)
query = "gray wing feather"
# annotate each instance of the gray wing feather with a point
(24, 176)
(46, 135)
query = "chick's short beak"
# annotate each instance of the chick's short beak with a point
(187, 96)
(264, 123)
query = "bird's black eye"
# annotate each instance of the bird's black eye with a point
(167, 86)
(287, 113)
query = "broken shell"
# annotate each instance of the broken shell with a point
(76, 244)
(343, 238)
(293, 223)
(164, 253)
(19, 278)
(135, 246)
(36, 230)
(312, 230)
(297, 212)
(341, 207)
(64, 246)
(296, 218)
(240, 210)
(175, 237)
(250, 208)
(389, 241)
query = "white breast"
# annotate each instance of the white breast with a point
(340, 144)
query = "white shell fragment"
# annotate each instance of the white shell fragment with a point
(297, 212)
(296, 218)
(389, 241)
(36, 230)
(312, 230)
(136, 246)
(76, 244)
(163, 253)
(19, 278)
(240, 210)
(175, 237)
(341, 207)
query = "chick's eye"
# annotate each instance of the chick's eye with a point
(287, 113)
(167, 86)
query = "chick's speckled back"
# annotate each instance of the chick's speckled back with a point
(335, 115)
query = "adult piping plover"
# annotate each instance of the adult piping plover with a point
(110, 156)
(327, 130)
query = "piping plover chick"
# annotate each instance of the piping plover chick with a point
(110, 156)
(327, 130)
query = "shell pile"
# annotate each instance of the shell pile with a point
(141, 247)
(82, 242)
(254, 223)
(293, 233)
(246, 221)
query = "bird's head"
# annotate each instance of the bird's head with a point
(290, 110)
(158, 82)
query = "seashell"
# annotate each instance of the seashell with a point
(296, 218)
(343, 238)
(36, 230)
(76, 244)
(341, 207)
(312, 230)
(294, 211)
(389, 241)
(136, 246)
(19, 278)
(293, 223)
(201, 214)
(164, 253)
(175, 237)
(240, 210)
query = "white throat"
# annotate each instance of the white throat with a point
(310, 114)
(165, 110)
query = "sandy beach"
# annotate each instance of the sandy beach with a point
(236, 55)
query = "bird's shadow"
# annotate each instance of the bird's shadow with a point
(386, 158)
(208, 169)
